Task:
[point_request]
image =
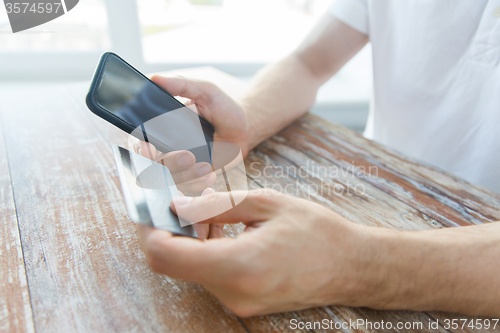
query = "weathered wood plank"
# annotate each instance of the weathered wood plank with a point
(346, 194)
(373, 207)
(380, 206)
(278, 322)
(15, 306)
(82, 258)
(446, 198)
(341, 319)
(85, 270)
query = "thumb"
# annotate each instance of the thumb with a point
(251, 207)
(201, 92)
(183, 257)
(145, 149)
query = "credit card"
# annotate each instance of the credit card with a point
(148, 189)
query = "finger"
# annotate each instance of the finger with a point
(177, 161)
(183, 257)
(145, 149)
(192, 173)
(253, 226)
(132, 142)
(142, 232)
(254, 206)
(189, 103)
(193, 89)
(199, 185)
(216, 230)
(193, 107)
(207, 191)
(202, 230)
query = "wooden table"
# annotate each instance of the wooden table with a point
(69, 257)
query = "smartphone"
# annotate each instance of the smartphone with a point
(126, 98)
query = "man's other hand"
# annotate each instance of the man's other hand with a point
(294, 254)
(209, 101)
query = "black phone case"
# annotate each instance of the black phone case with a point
(121, 124)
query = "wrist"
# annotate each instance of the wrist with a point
(388, 271)
(372, 281)
(380, 271)
(356, 274)
(250, 134)
(406, 271)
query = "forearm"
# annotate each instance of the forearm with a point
(453, 269)
(285, 91)
(278, 95)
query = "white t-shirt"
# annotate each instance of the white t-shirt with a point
(436, 80)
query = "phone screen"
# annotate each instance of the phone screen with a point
(153, 114)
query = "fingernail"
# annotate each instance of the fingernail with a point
(184, 161)
(208, 190)
(182, 201)
(210, 179)
(137, 147)
(204, 170)
(139, 151)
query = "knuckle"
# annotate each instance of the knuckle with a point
(264, 196)
(168, 161)
(211, 200)
(210, 89)
(209, 86)
(184, 86)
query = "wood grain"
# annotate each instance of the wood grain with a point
(373, 207)
(434, 192)
(15, 306)
(84, 269)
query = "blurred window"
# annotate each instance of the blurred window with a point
(84, 28)
(221, 31)
(236, 36)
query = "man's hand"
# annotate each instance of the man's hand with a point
(189, 176)
(182, 166)
(294, 254)
(210, 102)
(224, 113)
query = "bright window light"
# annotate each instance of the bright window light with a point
(84, 28)
(224, 31)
